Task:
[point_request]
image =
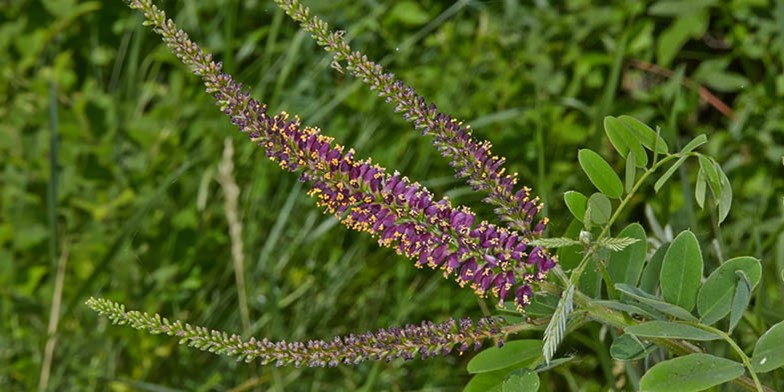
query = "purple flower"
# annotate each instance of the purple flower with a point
(401, 214)
(471, 158)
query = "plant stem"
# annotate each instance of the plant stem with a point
(727, 338)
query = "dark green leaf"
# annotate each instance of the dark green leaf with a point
(769, 350)
(629, 348)
(690, 373)
(576, 203)
(741, 299)
(521, 380)
(626, 266)
(644, 134)
(681, 271)
(666, 176)
(650, 276)
(717, 292)
(600, 173)
(512, 353)
(670, 330)
(655, 302)
(600, 208)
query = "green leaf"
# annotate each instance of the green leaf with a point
(769, 350)
(655, 302)
(624, 307)
(681, 271)
(624, 141)
(725, 194)
(716, 294)
(600, 173)
(541, 306)
(409, 13)
(672, 39)
(678, 7)
(740, 300)
(699, 189)
(629, 348)
(543, 367)
(666, 176)
(522, 380)
(487, 382)
(650, 276)
(645, 135)
(600, 208)
(631, 173)
(670, 330)
(512, 353)
(694, 143)
(709, 170)
(626, 266)
(576, 203)
(690, 373)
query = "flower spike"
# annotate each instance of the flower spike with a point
(402, 215)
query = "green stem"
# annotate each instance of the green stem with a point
(744, 358)
(575, 277)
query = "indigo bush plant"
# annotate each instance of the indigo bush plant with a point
(671, 327)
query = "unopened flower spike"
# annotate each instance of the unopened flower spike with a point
(425, 340)
(402, 215)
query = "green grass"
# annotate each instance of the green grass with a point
(133, 196)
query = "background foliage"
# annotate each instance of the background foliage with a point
(134, 208)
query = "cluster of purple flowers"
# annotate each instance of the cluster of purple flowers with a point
(402, 215)
(426, 340)
(471, 158)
